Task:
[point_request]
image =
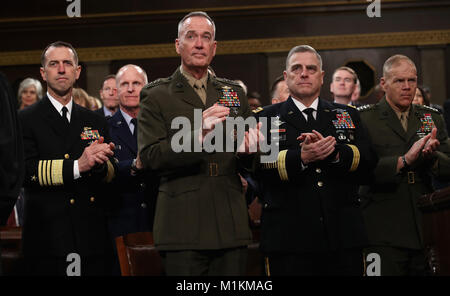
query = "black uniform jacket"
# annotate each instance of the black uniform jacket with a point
(63, 215)
(314, 207)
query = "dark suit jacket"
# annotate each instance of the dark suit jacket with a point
(11, 151)
(100, 111)
(63, 215)
(200, 202)
(315, 209)
(390, 210)
(134, 211)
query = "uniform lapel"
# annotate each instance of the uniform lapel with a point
(413, 123)
(183, 91)
(292, 115)
(392, 121)
(123, 132)
(75, 126)
(212, 92)
(325, 117)
(53, 119)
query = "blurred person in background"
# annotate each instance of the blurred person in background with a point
(108, 95)
(30, 91)
(420, 97)
(81, 97)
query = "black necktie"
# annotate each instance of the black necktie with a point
(64, 114)
(311, 120)
(134, 122)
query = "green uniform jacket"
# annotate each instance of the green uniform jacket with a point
(200, 202)
(390, 203)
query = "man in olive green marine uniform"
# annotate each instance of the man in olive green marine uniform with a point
(412, 144)
(201, 221)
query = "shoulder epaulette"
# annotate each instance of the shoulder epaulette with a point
(257, 110)
(157, 82)
(365, 107)
(428, 108)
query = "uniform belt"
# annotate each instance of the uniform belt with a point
(214, 169)
(411, 177)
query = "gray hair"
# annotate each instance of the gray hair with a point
(394, 60)
(196, 13)
(303, 48)
(139, 69)
(26, 83)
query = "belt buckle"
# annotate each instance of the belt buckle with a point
(213, 169)
(411, 179)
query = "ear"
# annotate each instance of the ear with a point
(383, 83)
(43, 73)
(285, 75)
(331, 87)
(78, 71)
(214, 47)
(177, 45)
(323, 75)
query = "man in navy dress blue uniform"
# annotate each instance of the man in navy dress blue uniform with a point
(137, 189)
(311, 222)
(68, 165)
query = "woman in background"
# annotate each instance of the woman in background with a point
(81, 97)
(30, 91)
(420, 98)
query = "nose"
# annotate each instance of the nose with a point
(198, 43)
(61, 68)
(130, 87)
(407, 84)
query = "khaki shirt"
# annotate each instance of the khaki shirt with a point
(199, 85)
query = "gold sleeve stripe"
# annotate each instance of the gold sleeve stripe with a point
(266, 260)
(57, 172)
(356, 158)
(110, 175)
(41, 182)
(269, 165)
(48, 173)
(282, 165)
(44, 172)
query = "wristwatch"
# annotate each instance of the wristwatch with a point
(405, 164)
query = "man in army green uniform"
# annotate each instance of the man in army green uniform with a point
(412, 144)
(201, 220)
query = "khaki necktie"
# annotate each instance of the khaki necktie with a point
(201, 91)
(404, 121)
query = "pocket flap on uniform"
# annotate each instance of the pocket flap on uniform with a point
(180, 185)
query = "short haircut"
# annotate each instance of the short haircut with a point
(274, 86)
(196, 13)
(139, 69)
(395, 60)
(110, 76)
(349, 70)
(59, 44)
(26, 83)
(303, 48)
